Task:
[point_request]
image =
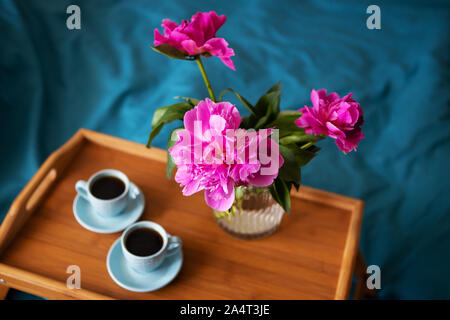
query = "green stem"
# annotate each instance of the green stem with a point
(306, 146)
(309, 144)
(205, 77)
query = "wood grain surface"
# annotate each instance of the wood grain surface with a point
(311, 256)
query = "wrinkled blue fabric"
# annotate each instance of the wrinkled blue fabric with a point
(106, 78)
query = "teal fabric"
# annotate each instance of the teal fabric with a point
(105, 77)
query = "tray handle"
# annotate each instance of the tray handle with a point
(36, 189)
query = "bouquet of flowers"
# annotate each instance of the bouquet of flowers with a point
(220, 152)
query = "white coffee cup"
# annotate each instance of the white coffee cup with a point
(108, 207)
(171, 245)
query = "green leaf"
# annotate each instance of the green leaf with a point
(274, 193)
(192, 101)
(280, 193)
(166, 115)
(297, 184)
(244, 101)
(314, 149)
(303, 156)
(290, 171)
(246, 122)
(268, 106)
(170, 143)
(153, 134)
(292, 151)
(297, 137)
(285, 122)
(276, 87)
(171, 52)
(266, 109)
(170, 113)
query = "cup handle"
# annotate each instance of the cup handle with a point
(174, 245)
(81, 187)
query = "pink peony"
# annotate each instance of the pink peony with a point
(338, 118)
(197, 36)
(210, 155)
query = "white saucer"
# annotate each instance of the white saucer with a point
(136, 281)
(91, 220)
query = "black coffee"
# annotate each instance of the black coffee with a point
(143, 242)
(107, 188)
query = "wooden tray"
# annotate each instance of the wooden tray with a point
(311, 256)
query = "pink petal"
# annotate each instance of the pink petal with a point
(228, 62)
(219, 47)
(333, 97)
(322, 94)
(159, 38)
(217, 123)
(192, 187)
(168, 24)
(219, 200)
(189, 119)
(334, 132)
(315, 99)
(191, 47)
(260, 180)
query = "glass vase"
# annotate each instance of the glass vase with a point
(254, 215)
